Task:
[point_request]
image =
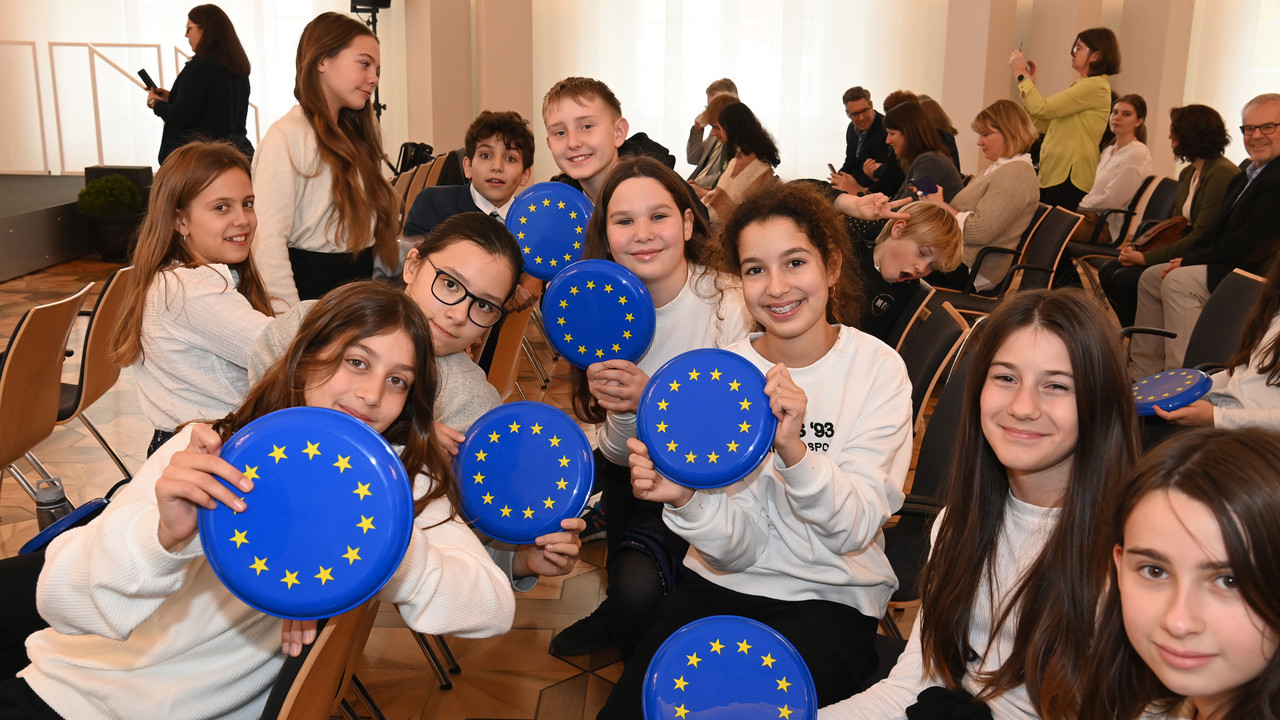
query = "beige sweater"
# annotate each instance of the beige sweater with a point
(732, 188)
(994, 209)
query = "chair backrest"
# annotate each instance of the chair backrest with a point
(1043, 250)
(421, 178)
(937, 445)
(1160, 204)
(909, 314)
(506, 352)
(322, 680)
(926, 352)
(1218, 330)
(31, 376)
(1141, 198)
(98, 372)
(1036, 218)
(402, 182)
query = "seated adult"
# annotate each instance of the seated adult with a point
(706, 155)
(1124, 164)
(867, 167)
(920, 151)
(1171, 295)
(1198, 136)
(995, 207)
(712, 164)
(754, 156)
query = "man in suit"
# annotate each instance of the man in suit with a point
(869, 162)
(1247, 235)
(499, 158)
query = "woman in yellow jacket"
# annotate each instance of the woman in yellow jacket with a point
(1073, 120)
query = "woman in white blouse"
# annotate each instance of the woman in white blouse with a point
(1125, 162)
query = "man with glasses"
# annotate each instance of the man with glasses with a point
(1247, 235)
(869, 162)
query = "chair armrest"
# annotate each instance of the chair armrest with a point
(1025, 267)
(969, 288)
(1210, 368)
(1131, 331)
(1102, 219)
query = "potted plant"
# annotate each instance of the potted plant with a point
(112, 206)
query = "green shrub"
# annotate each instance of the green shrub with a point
(110, 195)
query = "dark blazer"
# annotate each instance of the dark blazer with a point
(1248, 230)
(889, 177)
(434, 205)
(204, 102)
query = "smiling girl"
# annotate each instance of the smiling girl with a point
(797, 543)
(141, 626)
(1189, 626)
(196, 301)
(1009, 593)
(326, 209)
(646, 223)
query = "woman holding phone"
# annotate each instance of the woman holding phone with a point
(210, 97)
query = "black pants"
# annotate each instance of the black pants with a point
(836, 641)
(316, 273)
(1120, 283)
(1064, 195)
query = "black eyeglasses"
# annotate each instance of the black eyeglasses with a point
(1264, 128)
(450, 291)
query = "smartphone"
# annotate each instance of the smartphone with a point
(924, 185)
(832, 168)
(146, 79)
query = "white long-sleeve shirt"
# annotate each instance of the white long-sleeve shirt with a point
(1023, 535)
(1120, 174)
(1243, 398)
(812, 531)
(138, 631)
(699, 317)
(197, 331)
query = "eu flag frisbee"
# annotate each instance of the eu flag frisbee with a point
(705, 418)
(1170, 390)
(549, 221)
(728, 666)
(598, 310)
(523, 468)
(328, 520)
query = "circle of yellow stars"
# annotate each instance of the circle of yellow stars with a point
(716, 647)
(325, 574)
(673, 388)
(1188, 377)
(481, 456)
(593, 354)
(578, 229)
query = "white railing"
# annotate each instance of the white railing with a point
(35, 72)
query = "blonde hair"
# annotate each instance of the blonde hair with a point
(930, 226)
(581, 90)
(1010, 120)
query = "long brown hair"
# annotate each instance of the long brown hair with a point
(342, 317)
(1233, 474)
(1255, 332)
(184, 175)
(697, 249)
(1055, 602)
(918, 134)
(218, 39)
(351, 147)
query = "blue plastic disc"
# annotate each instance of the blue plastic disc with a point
(726, 666)
(328, 520)
(1170, 390)
(549, 221)
(598, 310)
(705, 418)
(523, 468)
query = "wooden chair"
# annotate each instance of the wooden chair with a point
(911, 313)
(506, 353)
(31, 379)
(1218, 330)
(321, 682)
(98, 372)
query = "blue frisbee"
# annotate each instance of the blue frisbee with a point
(705, 418)
(328, 520)
(725, 666)
(549, 221)
(523, 468)
(1170, 390)
(598, 310)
